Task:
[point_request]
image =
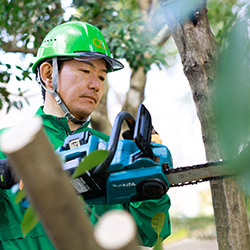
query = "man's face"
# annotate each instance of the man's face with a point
(81, 85)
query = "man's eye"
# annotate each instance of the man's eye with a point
(85, 70)
(102, 78)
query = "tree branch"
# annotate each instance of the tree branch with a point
(108, 235)
(48, 186)
(12, 47)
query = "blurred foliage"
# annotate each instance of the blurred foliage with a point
(19, 97)
(222, 17)
(232, 97)
(233, 88)
(180, 11)
(23, 24)
(21, 21)
(201, 227)
(123, 26)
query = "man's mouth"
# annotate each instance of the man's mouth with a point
(91, 97)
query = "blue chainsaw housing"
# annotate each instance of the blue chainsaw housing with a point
(130, 176)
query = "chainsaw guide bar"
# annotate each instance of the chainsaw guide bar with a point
(190, 175)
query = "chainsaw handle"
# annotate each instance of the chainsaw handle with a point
(114, 138)
(142, 131)
(7, 179)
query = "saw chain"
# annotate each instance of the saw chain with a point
(190, 175)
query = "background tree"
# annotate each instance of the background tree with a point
(190, 29)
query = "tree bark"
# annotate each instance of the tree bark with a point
(198, 52)
(99, 117)
(135, 95)
(48, 186)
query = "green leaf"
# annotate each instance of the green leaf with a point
(90, 161)
(20, 195)
(30, 219)
(18, 67)
(8, 66)
(158, 245)
(157, 222)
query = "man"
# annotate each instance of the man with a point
(71, 66)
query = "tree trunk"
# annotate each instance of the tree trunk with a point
(135, 95)
(48, 186)
(99, 117)
(198, 52)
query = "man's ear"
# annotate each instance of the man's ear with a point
(46, 70)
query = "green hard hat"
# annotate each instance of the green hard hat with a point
(76, 39)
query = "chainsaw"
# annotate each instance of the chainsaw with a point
(135, 169)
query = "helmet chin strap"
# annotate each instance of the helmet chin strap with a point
(58, 99)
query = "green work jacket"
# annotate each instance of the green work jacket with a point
(11, 214)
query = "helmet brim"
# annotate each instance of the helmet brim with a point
(112, 64)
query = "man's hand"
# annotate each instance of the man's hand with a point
(155, 137)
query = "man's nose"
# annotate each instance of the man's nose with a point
(94, 83)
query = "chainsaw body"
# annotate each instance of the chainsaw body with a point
(133, 171)
(128, 178)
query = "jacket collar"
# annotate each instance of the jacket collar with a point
(52, 121)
